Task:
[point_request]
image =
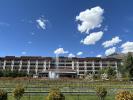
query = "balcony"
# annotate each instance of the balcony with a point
(82, 68)
(97, 68)
(89, 68)
(88, 64)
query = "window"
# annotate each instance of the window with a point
(81, 68)
(89, 68)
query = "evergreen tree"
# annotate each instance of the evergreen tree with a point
(111, 72)
(128, 65)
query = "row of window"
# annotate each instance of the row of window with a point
(88, 72)
(90, 68)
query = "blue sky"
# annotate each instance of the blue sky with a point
(46, 27)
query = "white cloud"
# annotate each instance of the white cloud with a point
(110, 51)
(112, 42)
(79, 53)
(99, 56)
(71, 55)
(105, 28)
(90, 19)
(60, 51)
(41, 22)
(127, 47)
(92, 38)
(24, 52)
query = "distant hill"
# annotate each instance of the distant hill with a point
(118, 55)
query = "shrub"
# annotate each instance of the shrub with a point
(3, 95)
(9, 73)
(101, 92)
(18, 92)
(55, 94)
(124, 95)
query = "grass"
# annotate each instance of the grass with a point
(43, 85)
(67, 97)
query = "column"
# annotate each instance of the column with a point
(77, 67)
(93, 67)
(28, 67)
(85, 66)
(108, 64)
(49, 64)
(36, 69)
(44, 66)
(73, 65)
(101, 67)
(12, 65)
(4, 64)
(116, 68)
(20, 65)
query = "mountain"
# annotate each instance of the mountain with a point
(118, 55)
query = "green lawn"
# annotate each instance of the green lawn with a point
(41, 85)
(68, 97)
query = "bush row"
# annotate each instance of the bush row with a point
(9, 73)
(55, 94)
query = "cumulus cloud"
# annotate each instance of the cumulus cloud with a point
(112, 42)
(90, 19)
(71, 55)
(127, 47)
(60, 51)
(99, 56)
(79, 53)
(41, 23)
(92, 38)
(110, 51)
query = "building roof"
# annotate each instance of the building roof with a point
(60, 58)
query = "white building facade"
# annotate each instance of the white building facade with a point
(36, 65)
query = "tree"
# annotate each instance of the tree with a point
(1, 74)
(18, 92)
(101, 92)
(103, 70)
(124, 95)
(55, 94)
(3, 95)
(111, 72)
(128, 65)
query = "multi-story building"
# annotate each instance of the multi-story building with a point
(64, 66)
